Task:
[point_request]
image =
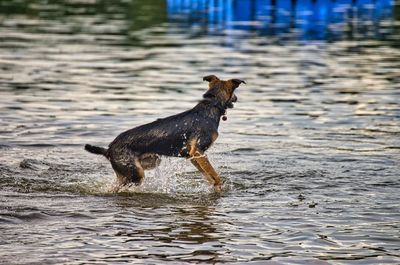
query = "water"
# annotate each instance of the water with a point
(309, 156)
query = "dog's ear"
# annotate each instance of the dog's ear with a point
(210, 78)
(236, 82)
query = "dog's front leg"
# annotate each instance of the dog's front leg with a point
(201, 162)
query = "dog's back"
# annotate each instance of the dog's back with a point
(169, 136)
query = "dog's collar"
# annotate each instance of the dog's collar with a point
(222, 108)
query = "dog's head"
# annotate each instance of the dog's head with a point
(223, 91)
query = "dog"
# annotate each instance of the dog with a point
(188, 134)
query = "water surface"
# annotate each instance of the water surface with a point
(309, 155)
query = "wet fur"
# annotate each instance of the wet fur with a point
(187, 134)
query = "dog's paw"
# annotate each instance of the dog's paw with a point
(217, 188)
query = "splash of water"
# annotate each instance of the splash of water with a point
(172, 176)
(177, 176)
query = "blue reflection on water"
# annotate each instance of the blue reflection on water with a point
(305, 19)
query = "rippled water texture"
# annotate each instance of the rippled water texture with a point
(309, 155)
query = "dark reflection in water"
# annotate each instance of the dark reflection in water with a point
(309, 155)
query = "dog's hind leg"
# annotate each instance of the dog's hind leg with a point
(128, 171)
(149, 161)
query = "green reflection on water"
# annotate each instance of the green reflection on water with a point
(148, 13)
(139, 13)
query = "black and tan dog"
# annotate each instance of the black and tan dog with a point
(188, 134)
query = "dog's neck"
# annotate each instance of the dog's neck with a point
(217, 105)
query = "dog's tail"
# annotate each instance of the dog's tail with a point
(96, 150)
